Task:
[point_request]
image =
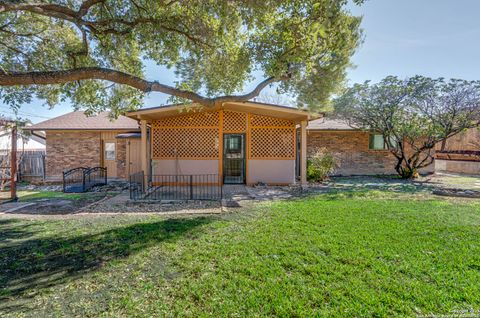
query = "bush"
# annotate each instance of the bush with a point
(321, 165)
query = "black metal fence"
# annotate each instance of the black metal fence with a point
(81, 179)
(137, 185)
(176, 187)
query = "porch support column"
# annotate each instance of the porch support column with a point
(303, 153)
(143, 149)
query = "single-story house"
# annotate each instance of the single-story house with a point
(358, 152)
(242, 143)
(75, 140)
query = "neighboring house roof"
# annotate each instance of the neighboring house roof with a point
(329, 124)
(32, 142)
(79, 121)
(264, 109)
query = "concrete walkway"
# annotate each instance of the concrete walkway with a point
(14, 206)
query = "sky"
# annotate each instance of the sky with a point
(435, 38)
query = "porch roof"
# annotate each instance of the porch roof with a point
(271, 110)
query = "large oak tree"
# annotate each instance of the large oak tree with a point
(94, 51)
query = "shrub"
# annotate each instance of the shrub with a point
(321, 165)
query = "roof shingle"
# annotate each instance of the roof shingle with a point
(79, 121)
(329, 124)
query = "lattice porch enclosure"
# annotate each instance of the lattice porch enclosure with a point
(271, 138)
(192, 136)
(234, 122)
(197, 135)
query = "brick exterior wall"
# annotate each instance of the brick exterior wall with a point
(351, 148)
(67, 150)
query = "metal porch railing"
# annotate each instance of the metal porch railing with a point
(176, 187)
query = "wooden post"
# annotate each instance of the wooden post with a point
(220, 148)
(303, 152)
(13, 164)
(143, 149)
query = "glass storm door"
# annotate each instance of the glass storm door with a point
(233, 158)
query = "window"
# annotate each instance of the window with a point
(234, 144)
(109, 151)
(377, 142)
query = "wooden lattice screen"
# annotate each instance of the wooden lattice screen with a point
(192, 136)
(234, 122)
(196, 136)
(271, 138)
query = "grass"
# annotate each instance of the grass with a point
(345, 254)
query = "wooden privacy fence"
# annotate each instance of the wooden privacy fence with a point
(31, 164)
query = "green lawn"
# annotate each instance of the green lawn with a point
(343, 255)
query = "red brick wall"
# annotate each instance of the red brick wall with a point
(353, 154)
(66, 150)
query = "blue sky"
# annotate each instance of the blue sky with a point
(436, 38)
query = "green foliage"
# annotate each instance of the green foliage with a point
(214, 46)
(321, 165)
(412, 114)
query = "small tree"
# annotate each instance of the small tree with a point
(413, 115)
(5, 162)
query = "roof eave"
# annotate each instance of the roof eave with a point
(76, 129)
(253, 107)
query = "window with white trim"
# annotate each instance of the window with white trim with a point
(109, 151)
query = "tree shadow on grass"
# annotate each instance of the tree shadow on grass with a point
(30, 265)
(372, 191)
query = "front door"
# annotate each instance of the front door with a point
(233, 158)
(110, 157)
(134, 156)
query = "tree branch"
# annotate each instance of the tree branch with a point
(107, 26)
(86, 6)
(254, 93)
(97, 73)
(46, 9)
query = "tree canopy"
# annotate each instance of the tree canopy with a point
(413, 114)
(93, 51)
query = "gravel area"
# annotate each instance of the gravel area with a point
(40, 187)
(122, 204)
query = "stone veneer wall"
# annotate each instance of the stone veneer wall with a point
(67, 150)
